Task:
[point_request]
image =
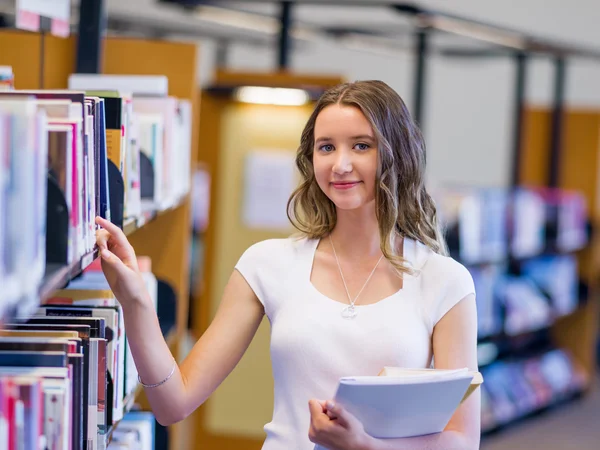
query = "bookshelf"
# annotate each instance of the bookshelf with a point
(107, 438)
(517, 243)
(578, 171)
(162, 235)
(574, 331)
(58, 276)
(129, 403)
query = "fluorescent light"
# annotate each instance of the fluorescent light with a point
(238, 19)
(478, 32)
(254, 22)
(271, 96)
(373, 45)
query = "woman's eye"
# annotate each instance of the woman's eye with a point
(362, 146)
(326, 148)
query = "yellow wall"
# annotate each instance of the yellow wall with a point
(243, 404)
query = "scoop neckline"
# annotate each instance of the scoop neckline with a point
(408, 253)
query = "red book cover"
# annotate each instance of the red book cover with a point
(12, 396)
(4, 412)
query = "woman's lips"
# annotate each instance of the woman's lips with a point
(343, 185)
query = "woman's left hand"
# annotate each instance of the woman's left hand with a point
(334, 428)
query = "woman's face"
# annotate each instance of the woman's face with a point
(345, 156)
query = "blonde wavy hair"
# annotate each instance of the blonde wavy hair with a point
(403, 206)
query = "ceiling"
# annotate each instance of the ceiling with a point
(255, 22)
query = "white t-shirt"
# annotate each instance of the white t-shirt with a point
(312, 345)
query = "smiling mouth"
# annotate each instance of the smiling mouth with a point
(344, 184)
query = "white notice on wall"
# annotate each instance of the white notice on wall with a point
(269, 179)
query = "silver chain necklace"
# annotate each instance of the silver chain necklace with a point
(350, 312)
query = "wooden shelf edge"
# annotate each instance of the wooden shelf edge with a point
(58, 276)
(131, 225)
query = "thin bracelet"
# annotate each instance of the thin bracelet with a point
(161, 382)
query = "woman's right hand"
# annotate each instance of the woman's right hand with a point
(119, 264)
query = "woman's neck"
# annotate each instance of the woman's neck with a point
(356, 233)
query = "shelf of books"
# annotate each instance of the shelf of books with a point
(93, 146)
(521, 247)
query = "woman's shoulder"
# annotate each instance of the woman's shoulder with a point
(267, 266)
(446, 282)
(439, 268)
(446, 266)
(278, 249)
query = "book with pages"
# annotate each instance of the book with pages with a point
(400, 403)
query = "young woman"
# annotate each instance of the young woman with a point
(365, 285)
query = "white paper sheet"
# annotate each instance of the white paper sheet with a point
(269, 179)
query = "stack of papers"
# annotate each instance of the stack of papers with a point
(406, 402)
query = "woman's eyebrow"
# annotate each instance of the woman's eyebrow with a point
(360, 136)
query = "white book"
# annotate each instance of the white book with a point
(154, 85)
(131, 372)
(151, 143)
(142, 430)
(77, 114)
(41, 177)
(133, 205)
(91, 185)
(63, 387)
(57, 423)
(529, 214)
(51, 109)
(77, 176)
(184, 174)
(167, 108)
(20, 233)
(4, 427)
(404, 403)
(127, 439)
(61, 166)
(92, 425)
(470, 220)
(4, 177)
(120, 378)
(33, 223)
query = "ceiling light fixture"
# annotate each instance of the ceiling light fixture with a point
(271, 96)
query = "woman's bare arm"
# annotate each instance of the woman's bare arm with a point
(213, 357)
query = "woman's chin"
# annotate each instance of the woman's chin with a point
(348, 204)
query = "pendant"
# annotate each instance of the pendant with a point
(349, 312)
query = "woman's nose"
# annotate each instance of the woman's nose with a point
(343, 163)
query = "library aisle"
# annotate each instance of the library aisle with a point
(160, 127)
